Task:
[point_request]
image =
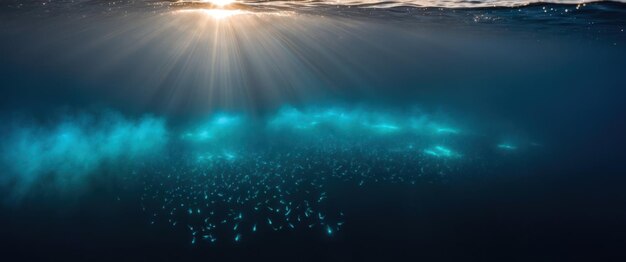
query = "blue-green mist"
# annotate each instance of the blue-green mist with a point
(62, 154)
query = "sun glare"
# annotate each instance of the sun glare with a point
(215, 13)
(220, 3)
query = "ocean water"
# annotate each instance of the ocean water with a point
(312, 130)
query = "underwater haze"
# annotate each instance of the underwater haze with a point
(221, 130)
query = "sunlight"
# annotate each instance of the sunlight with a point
(220, 3)
(217, 14)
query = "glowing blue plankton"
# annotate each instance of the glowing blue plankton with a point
(441, 151)
(508, 147)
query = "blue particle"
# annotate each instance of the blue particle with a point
(508, 147)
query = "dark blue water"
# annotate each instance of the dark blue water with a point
(315, 131)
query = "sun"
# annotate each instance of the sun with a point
(220, 3)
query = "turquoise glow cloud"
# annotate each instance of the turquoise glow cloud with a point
(71, 149)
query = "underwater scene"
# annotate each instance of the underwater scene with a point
(301, 130)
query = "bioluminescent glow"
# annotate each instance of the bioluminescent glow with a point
(441, 151)
(233, 175)
(445, 130)
(242, 175)
(72, 149)
(349, 122)
(508, 147)
(220, 126)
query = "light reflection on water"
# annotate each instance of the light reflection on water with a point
(383, 4)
